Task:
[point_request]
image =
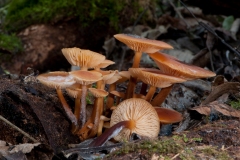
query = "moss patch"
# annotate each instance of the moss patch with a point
(22, 13)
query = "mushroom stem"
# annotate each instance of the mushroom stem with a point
(96, 119)
(111, 132)
(150, 93)
(77, 111)
(133, 80)
(161, 96)
(110, 99)
(100, 126)
(98, 109)
(83, 105)
(136, 59)
(131, 87)
(143, 88)
(66, 107)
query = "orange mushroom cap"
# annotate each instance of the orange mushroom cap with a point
(177, 68)
(167, 116)
(98, 92)
(56, 79)
(140, 44)
(82, 58)
(86, 77)
(155, 77)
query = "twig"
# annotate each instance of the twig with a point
(138, 18)
(175, 156)
(178, 13)
(209, 29)
(18, 129)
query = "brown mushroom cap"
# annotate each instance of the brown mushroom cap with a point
(167, 116)
(74, 92)
(141, 113)
(56, 79)
(118, 94)
(140, 44)
(86, 77)
(155, 77)
(179, 69)
(104, 64)
(82, 58)
(98, 92)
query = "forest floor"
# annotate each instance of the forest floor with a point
(210, 107)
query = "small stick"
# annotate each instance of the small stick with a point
(18, 129)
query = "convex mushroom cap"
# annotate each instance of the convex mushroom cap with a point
(86, 77)
(167, 116)
(141, 113)
(179, 69)
(98, 92)
(140, 44)
(56, 79)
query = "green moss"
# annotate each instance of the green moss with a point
(212, 152)
(22, 13)
(152, 147)
(235, 104)
(10, 43)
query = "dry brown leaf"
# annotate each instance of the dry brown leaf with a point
(219, 107)
(228, 87)
(16, 152)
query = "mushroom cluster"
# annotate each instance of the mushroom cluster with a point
(120, 113)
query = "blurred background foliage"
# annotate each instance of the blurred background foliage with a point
(16, 15)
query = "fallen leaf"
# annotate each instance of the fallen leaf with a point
(25, 148)
(228, 87)
(219, 107)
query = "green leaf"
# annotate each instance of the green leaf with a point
(227, 22)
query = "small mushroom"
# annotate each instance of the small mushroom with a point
(60, 80)
(133, 115)
(85, 78)
(76, 93)
(121, 77)
(98, 106)
(172, 66)
(155, 78)
(86, 132)
(101, 124)
(139, 45)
